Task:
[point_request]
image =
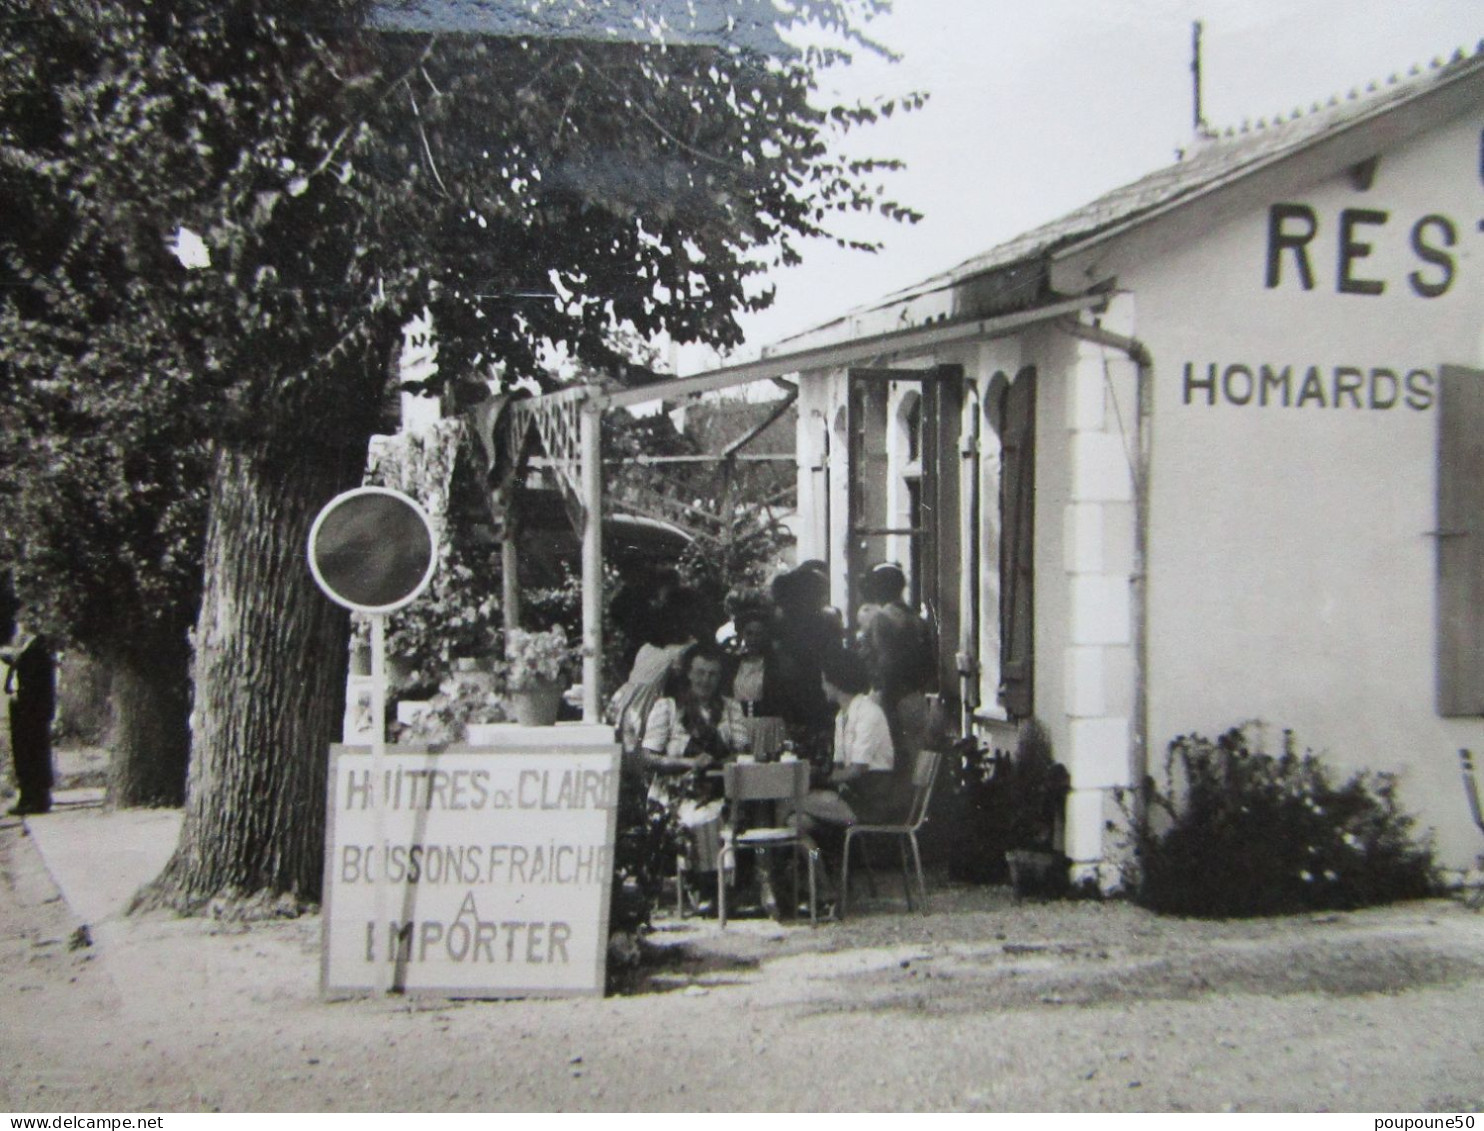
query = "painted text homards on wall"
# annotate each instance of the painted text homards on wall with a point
(1270, 385)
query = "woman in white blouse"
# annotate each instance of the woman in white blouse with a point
(686, 735)
(863, 784)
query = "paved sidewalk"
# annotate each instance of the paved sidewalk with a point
(98, 857)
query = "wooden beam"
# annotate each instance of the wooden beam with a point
(875, 373)
(654, 461)
(784, 405)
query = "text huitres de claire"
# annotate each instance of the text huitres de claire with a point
(477, 789)
(510, 862)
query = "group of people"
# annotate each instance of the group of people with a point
(853, 704)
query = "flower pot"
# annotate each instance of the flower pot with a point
(537, 704)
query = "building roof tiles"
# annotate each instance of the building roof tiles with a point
(1211, 162)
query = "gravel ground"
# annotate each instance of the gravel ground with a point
(984, 1005)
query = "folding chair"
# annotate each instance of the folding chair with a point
(924, 772)
(743, 782)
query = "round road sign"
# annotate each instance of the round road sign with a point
(372, 550)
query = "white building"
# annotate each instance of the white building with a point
(1204, 451)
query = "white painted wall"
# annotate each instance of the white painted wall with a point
(1291, 573)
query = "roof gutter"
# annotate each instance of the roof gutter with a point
(841, 354)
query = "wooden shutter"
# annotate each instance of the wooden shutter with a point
(943, 400)
(970, 520)
(1017, 428)
(1460, 542)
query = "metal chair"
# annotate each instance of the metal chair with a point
(1471, 794)
(778, 781)
(924, 773)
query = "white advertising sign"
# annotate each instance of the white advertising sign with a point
(495, 871)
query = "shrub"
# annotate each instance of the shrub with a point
(647, 842)
(970, 835)
(1234, 832)
(460, 615)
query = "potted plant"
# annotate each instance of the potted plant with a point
(466, 702)
(535, 671)
(1034, 793)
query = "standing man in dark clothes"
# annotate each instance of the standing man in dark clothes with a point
(806, 631)
(31, 681)
(897, 646)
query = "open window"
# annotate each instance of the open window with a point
(904, 427)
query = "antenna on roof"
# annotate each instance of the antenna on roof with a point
(1201, 129)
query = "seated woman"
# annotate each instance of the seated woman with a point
(666, 636)
(686, 735)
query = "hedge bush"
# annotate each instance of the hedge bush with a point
(1233, 832)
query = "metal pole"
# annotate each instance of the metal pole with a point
(510, 575)
(592, 561)
(1195, 74)
(381, 969)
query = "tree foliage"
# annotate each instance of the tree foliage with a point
(227, 209)
(102, 475)
(100, 469)
(533, 191)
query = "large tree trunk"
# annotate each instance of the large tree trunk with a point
(269, 679)
(151, 740)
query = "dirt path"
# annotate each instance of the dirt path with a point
(980, 1006)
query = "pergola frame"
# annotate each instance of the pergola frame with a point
(568, 423)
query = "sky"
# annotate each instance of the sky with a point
(1037, 107)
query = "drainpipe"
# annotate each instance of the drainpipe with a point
(1143, 361)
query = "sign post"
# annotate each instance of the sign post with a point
(462, 872)
(373, 551)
